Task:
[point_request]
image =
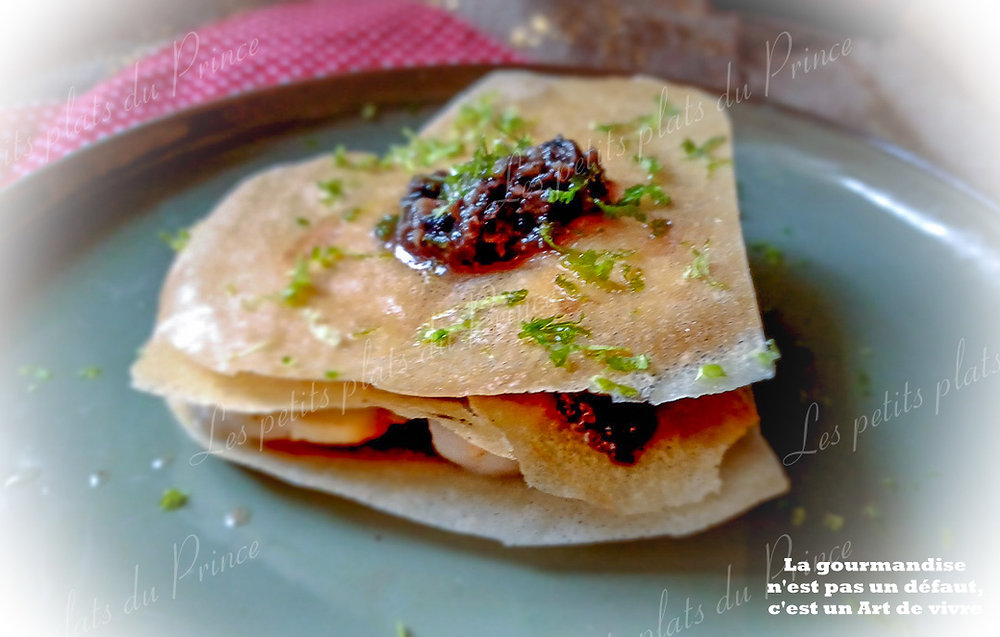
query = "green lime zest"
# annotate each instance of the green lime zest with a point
(596, 266)
(469, 311)
(481, 119)
(706, 151)
(771, 254)
(572, 290)
(559, 338)
(362, 162)
(173, 499)
(351, 214)
(607, 386)
(421, 152)
(31, 371)
(89, 372)
(659, 227)
(770, 354)
(833, 521)
(300, 287)
(798, 516)
(177, 240)
(330, 190)
(633, 125)
(701, 269)
(710, 371)
(386, 227)
(648, 163)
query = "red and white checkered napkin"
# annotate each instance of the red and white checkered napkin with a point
(274, 45)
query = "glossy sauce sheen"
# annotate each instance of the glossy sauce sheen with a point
(488, 214)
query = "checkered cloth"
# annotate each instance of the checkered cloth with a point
(274, 45)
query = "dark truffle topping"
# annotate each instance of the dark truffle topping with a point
(489, 212)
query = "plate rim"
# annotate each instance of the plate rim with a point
(175, 135)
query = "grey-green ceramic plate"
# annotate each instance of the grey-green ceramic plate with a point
(878, 277)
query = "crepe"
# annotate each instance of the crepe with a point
(441, 495)
(214, 307)
(306, 386)
(164, 371)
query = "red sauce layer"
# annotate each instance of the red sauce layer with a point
(619, 430)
